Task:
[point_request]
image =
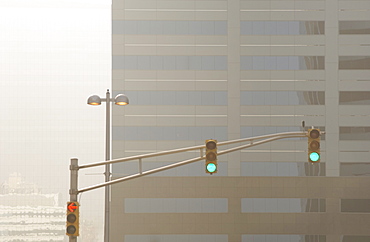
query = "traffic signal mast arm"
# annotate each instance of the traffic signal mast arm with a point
(253, 141)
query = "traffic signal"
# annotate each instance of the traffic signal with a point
(314, 145)
(73, 213)
(211, 156)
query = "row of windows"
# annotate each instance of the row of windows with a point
(177, 97)
(169, 133)
(282, 169)
(146, 62)
(176, 205)
(282, 63)
(158, 27)
(131, 62)
(246, 97)
(220, 205)
(283, 238)
(282, 98)
(282, 27)
(248, 205)
(220, 133)
(282, 205)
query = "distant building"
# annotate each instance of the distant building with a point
(28, 215)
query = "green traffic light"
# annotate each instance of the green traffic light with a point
(211, 167)
(314, 156)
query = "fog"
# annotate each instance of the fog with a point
(53, 56)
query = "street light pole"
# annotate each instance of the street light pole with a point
(121, 100)
(107, 168)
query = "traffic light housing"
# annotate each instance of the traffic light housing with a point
(73, 220)
(314, 145)
(211, 156)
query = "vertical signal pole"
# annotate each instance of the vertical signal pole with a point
(107, 169)
(73, 191)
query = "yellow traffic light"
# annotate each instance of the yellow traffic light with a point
(314, 145)
(73, 220)
(211, 156)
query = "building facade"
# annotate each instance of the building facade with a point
(196, 70)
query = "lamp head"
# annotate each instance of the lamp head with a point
(94, 100)
(121, 99)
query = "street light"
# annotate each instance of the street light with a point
(95, 100)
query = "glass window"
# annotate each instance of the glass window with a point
(156, 62)
(143, 27)
(143, 62)
(169, 62)
(282, 62)
(354, 62)
(282, 169)
(208, 27)
(282, 27)
(354, 133)
(220, 63)
(354, 98)
(118, 62)
(354, 27)
(283, 205)
(354, 169)
(182, 63)
(177, 97)
(130, 62)
(258, 27)
(355, 205)
(169, 27)
(355, 238)
(283, 238)
(132, 133)
(182, 27)
(130, 27)
(282, 98)
(220, 27)
(176, 205)
(160, 27)
(208, 62)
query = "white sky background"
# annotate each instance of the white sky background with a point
(54, 54)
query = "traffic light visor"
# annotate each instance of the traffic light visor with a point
(71, 229)
(211, 156)
(211, 145)
(71, 218)
(314, 145)
(314, 134)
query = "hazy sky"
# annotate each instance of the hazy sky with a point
(53, 55)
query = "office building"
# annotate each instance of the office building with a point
(197, 70)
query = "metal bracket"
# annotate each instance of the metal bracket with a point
(73, 192)
(74, 168)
